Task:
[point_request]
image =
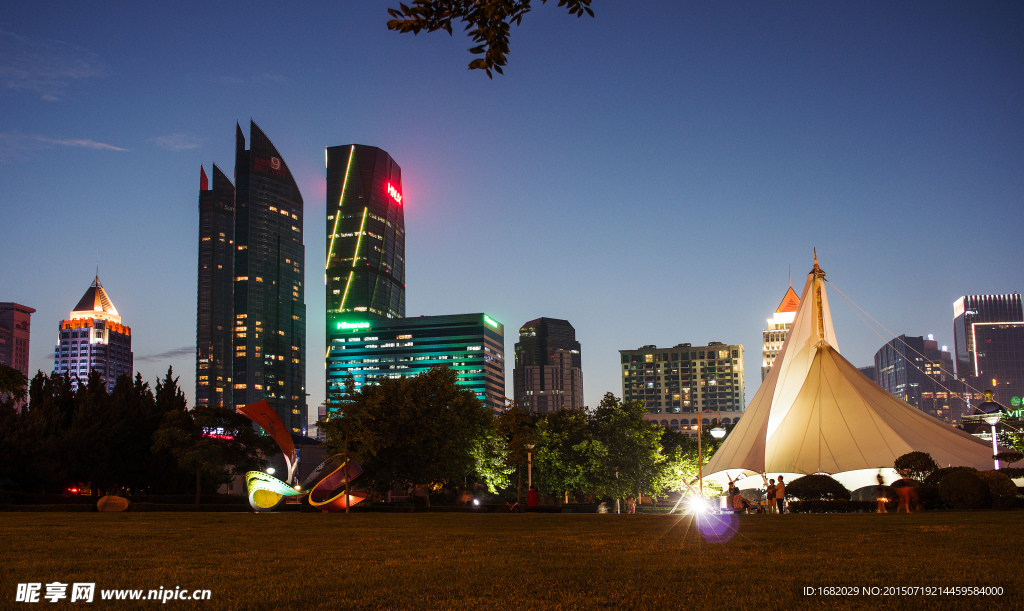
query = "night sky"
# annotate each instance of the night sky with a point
(651, 175)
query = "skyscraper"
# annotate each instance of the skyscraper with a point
(548, 374)
(15, 336)
(269, 292)
(93, 338)
(989, 334)
(472, 345)
(215, 303)
(365, 268)
(778, 327)
(915, 370)
(365, 235)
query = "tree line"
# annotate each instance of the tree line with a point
(428, 431)
(134, 440)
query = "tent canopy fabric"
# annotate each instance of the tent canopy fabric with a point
(816, 413)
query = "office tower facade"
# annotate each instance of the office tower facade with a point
(15, 337)
(989, 344)
(778, 327)
(365, 268)
(215, 291)
(471, 344)
(917, 371)
(92, 338)
(677, 384)
(548, 373)
(269, 356)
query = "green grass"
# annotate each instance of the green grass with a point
(510, 561)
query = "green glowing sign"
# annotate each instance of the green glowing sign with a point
(1015, 401)
(490, 321)
(347, 326)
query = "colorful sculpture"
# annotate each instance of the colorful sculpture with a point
(266, 491)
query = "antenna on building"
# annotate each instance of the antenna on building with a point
(97, 265)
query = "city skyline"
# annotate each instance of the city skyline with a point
(890, 138)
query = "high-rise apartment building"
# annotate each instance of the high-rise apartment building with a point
(92, 338)
(269, 358)
(989, 334)
(471, 344)
(548, 374)
(677, 384)
(365, 268)
(778, 327)
(917, 371)
(15, 336)
(215, 304)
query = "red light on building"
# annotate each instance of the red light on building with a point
(393, 192)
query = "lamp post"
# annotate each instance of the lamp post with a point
(717, 432)
(992, 413)
(529, 466)
(616, 492)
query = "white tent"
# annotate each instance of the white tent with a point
(816, 413)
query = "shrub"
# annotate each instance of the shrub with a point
(915, 465)
(928, 496)
(964, 490)
(814, 487)
(938, 475)
(1002, 490)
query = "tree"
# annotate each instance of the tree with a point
(12, 385)
(516, 426)
(567, 455)
(487, 23)
(633, 462)
(414, 431)
(187, 436)
(915, 465)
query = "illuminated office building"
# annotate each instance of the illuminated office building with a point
(916, 370)
(778, 327)
(365, 269)
(677, 384)
(471, 344)
(989, 343)
(92, 338)
(548, 374)
(214, 295)
(269, 357)
(15, 336)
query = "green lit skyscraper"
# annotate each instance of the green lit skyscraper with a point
(365, 236)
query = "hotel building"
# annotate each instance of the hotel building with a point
(778, 328)
(677, 384)
(548, 375)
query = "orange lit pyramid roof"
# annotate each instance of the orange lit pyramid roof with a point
(95, 303)
(790, 302)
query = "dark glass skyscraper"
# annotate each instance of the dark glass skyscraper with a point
(989, 332)
(215, 306)
(548, 374)
(365, 236)
(269, 294)
(915, 370)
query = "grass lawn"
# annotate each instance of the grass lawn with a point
(511, 561)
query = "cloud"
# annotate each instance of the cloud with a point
(165, 356)
(177, 142)
(262, 77)
(46, 67)
(79, 142)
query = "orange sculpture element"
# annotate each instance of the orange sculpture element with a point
(329, 493)
(262, 414)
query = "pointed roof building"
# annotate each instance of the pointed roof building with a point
(96, 304)
(789, 303)
(816, 413)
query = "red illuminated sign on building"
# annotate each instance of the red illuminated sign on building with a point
(395, 195)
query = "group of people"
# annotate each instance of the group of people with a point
(774, 498)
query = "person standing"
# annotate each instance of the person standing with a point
(532, 499)
(780, 496)
(631, 505)
(769, 496)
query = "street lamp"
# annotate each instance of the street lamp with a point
(529, 466)
(717, 432)
(992, 413)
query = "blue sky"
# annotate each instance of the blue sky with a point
(650, 175)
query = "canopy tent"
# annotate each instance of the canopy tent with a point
(816, 413)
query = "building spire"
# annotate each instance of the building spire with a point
(97, 268)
